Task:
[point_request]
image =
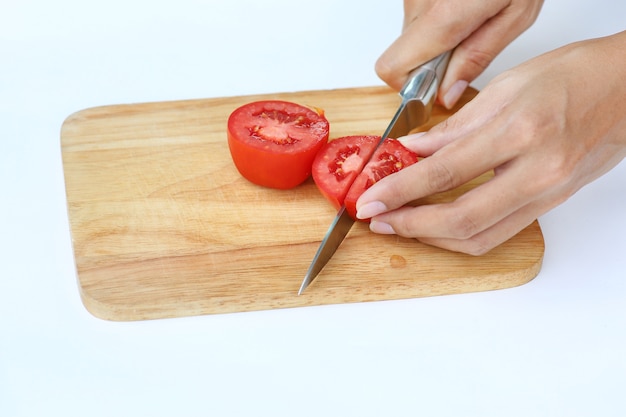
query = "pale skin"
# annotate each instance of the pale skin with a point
(546, 127)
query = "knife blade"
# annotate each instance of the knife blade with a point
(418, 97)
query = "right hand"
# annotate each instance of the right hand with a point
(477, 31)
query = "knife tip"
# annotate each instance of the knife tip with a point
(305, 283)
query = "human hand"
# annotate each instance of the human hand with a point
(477, 31)
(546, 128)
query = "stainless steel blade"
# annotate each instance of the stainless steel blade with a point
(334, 236)
(418, 97)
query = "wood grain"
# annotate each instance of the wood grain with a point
(164, 226)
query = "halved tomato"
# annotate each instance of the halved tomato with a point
(337, 166)
(338, 163)
(273, 143)
(390, 157)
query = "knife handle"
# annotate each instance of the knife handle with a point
(423, 82)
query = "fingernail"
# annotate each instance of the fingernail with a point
(370, 209)
(381, 228)
(406, 140)
(454, 93)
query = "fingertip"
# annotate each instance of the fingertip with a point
(454, 93)
(407, 140)
(371, 209)
(381, 228)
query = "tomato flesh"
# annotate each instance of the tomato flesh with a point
(337, 164)
(339, 172)
(273, 142)
(390, 157)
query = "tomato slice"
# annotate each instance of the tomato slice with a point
(338, 168)
(338, 163)
(390, 157)
(273, 142)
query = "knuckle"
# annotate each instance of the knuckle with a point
(440, 177)
(403, 222)
(477, 59)
(386, 71)
(558, 168)
(463, 226)
(556, 184)
(557, 173)
(530, 125)
(472, 247)
(382, 68)
(476, 247)
(527, 15)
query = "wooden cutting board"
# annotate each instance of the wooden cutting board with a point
(164, 226)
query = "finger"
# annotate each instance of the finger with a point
(476, 52)
(451, 166)
(470, 214)
(404, 55)
(503, 230)
(412, 9)
(468, 120)
(464, 122)
(494, 236)
(480, 242)
(480, 219)
(425, 144)
(432, 31)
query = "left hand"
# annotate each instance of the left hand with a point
(546, 128)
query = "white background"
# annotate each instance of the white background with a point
(553, 347)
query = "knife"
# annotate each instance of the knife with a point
(418, 97)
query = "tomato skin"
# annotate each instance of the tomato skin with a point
(273, 142)
(389, 158)
(337, 164)
(339, 172)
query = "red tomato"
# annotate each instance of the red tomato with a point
(337, 165)
(273, 142)
(390, 157)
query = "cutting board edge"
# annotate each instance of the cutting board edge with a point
(78, 114)
(130, 312)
